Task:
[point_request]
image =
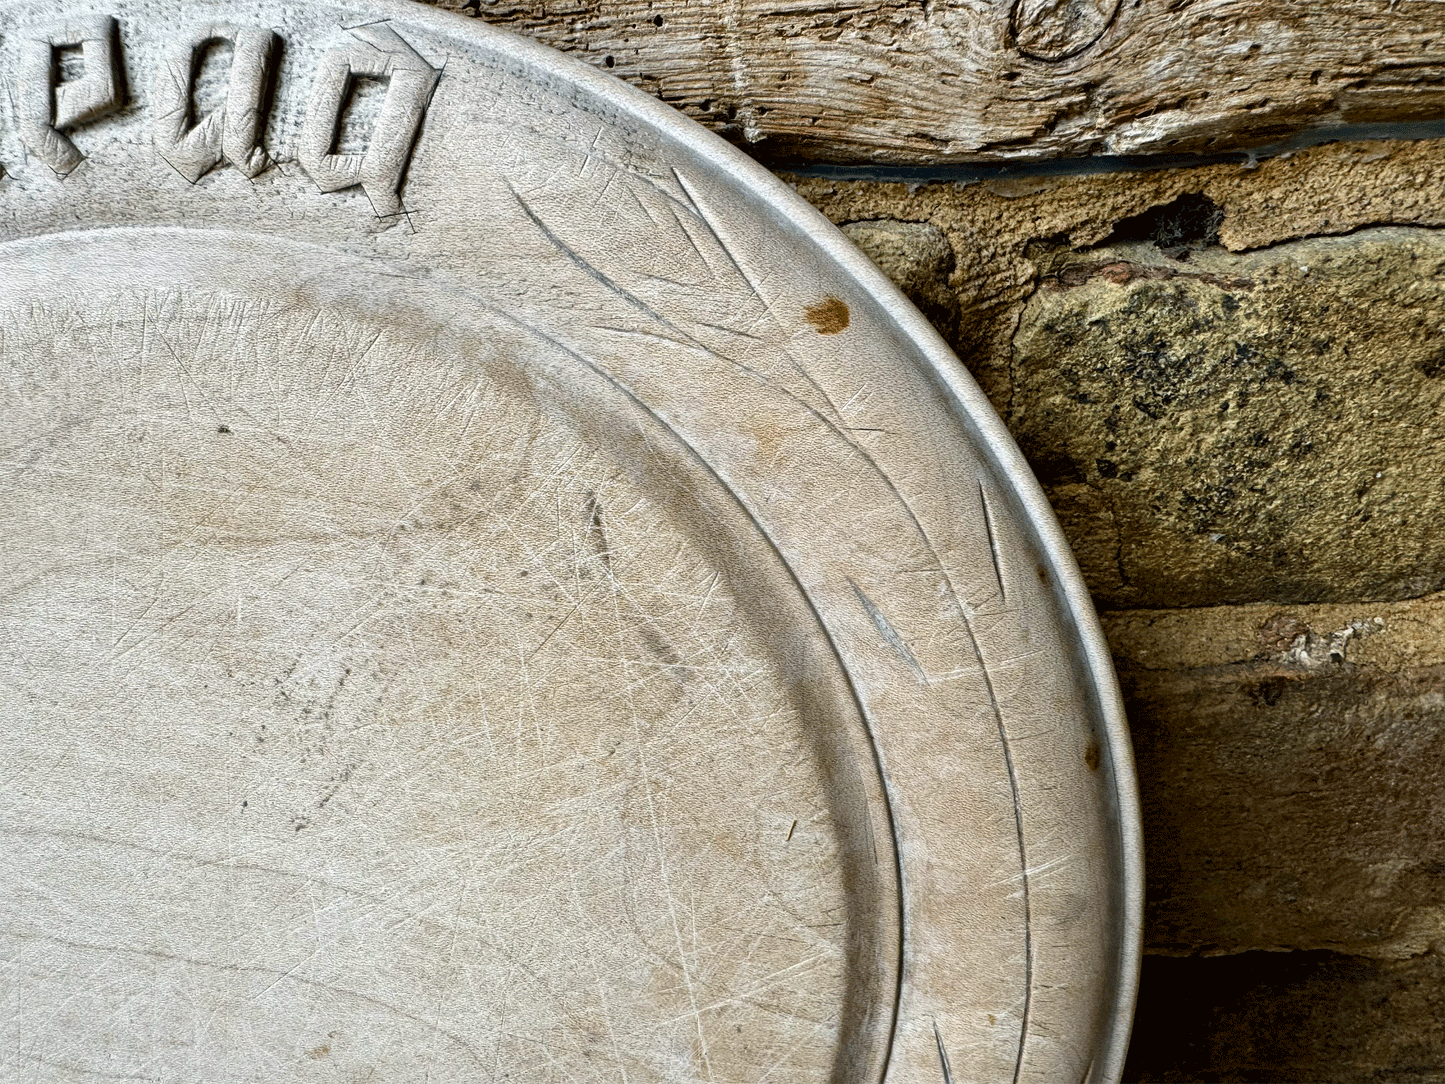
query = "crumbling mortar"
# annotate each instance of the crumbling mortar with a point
(1123, 272)
(1016, 321)
(1384, 223)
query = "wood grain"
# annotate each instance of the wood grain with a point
(940, 81)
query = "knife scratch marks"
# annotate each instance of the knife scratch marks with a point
(597, 275)
(888, 632)
(942, 1055)
(279, 976)
(648, 787)
(992, 543)
(837, 421)
(975, 649)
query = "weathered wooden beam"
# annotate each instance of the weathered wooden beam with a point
(940, 81)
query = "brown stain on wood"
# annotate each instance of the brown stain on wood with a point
(829, 316)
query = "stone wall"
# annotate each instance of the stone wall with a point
(1230, 381)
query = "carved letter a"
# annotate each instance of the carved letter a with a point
(377, 52)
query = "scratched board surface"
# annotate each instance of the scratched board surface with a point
(494, 588)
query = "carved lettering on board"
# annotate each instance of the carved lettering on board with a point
(234, 131)
(72, 72)
(374, 52)
(51, 101)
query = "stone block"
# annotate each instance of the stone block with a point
(1255, 426)
(1292, 773)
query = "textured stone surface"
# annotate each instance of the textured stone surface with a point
(995, 227)
(1229, 428)
(1292, 769)
(1383, 637)
(1293, 1018)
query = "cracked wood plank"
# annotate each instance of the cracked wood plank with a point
(942, 81)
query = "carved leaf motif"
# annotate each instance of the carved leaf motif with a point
(1058, 29)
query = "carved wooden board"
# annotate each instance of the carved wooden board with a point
(494, 587)
(919, 81)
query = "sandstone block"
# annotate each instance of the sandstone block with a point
(1258, 426)
(1292, 772)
